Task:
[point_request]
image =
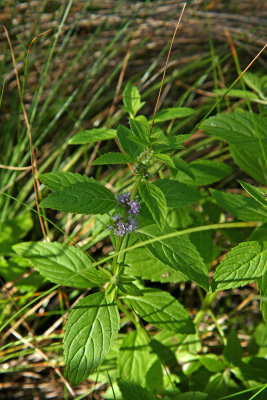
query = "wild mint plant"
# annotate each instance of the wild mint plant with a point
(161, 228)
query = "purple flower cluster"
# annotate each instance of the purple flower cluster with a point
(132, 205)
(123, 225)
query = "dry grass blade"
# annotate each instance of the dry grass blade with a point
(33, 158)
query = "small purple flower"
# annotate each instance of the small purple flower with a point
(131, 225)
(134, 207)
(123, 198)
(120, 229)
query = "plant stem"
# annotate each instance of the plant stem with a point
(127, 313)
(115, 266)
(221, 333)
(208, 299)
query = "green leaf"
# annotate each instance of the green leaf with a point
(93, 135)
(183, 166)
(247, 162)
(143, 264)
(238, 128)
(113, 158)
(205, 172)
(155, 202)
(91, 330)
(11, 231)
(164, 352)
(192, 396)
(162, 310)
(216, 387)
(133, 391)
(177, 252)
(130, 148)
(141, 129)
(165, 159)
(168, 114)
(132, 99)
(211, 362)
(59, 180)
(81, 198)
(233, 350)
(242, 94)
(57, 262)
(242, 265)
(163, 143)
(262, 286)
(13, 268)
(204, 244)
(154, 377)
(134, 357)
(97, 276)
(242, 207)
(177, 194)
(256, 193)
(255, 83)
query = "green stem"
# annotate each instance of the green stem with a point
(181, 233)
(208, 299)
(221, 333)
(115, 265)
(128, 314)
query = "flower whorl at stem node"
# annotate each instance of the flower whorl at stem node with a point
(125, 224)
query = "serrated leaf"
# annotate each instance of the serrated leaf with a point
(238, 128)
(177, 194)
(91, 330)
(133, 391)
(155, 202)
(242, 265)
(168, 114)
(113, 158)
(233, 350)
(57, 262)
(243, 207)
(81, 198)
(97, 276)
(177, 252)
(142, 264)
(205, 172)
(58, 180)
(131, 149)
(247, 162)
(256, 193)
(165, 159)
(132, 99)
(140, 129)
(162, 310)
(93, 135)
(134, 356)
